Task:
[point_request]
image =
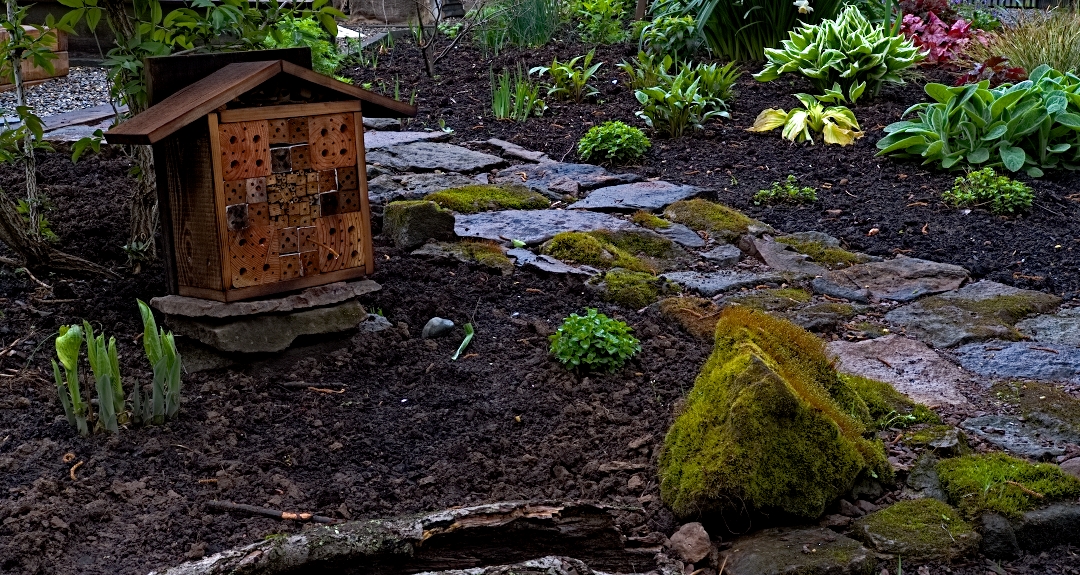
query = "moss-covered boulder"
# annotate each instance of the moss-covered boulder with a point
(888, 407)
(592, 250)
(769, 425)
(487, 254)
(484, 198)
(697, 315)
(1001, 484)
(630, 288)
(823, 250)
(410, 224)
(920, 529)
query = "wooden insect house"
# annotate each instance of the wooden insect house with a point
(261, 179)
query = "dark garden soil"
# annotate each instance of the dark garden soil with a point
(413, 431)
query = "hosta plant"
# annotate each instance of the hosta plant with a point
(986, 189)
(676, 36)
(679, 105)
(593, 342)
(846, 51)
(1033, 125)
(601, 21)
(68, 345)
(995, 70)
(836, 124)
(105, 365)
(939, 41)
(164, 399)
(570, 81)
(614, 143)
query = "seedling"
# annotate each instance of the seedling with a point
(160, 346)
(593, 342)
(68, 345)
(465, 342)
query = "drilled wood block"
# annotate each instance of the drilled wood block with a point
(286, 241)
(301, 220)
(328, 203)
(245, 150)
(276, 210)
(351, 225)
(299, 157)
(236, 217)
(235, 192)
(279, 220)
(293, 209)
(279, 131)
(259, 214)
(306, 238)
(332, 138)
(348, 201)
(327, 181)
(256, 190)
(271, 180)
(309, 263)
(313, 188)
(280, 160)
(271, 269)
(298, 130)
(249, 251)
(293, 179)
(347, 178)
(332, 242)
(289, 265)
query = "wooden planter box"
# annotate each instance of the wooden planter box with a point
(261, 179)
(35, 74)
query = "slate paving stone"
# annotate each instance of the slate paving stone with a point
(386, 139)
(782, 258)
(908, 365)
(183, 306)
(1026, 437)
(1042, 361)
(709, 284)
(899, 279)
(536, 226)
(557, 180)
(649, 196)
(545, 263)
(1061, 328)
(392, 188)
(682, 235)
(429, 156)
(814, 551)
(724, 255)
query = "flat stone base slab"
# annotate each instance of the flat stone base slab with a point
(191, 307)
(798, 551)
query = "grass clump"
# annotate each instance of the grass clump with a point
(647, 219)
(593, 342)
(590, 250)
(766, 426)
(984, 188)
(821, 253)
(919, 528)
(1034, 39)
(1002, 484)
(772, 299)
(696, 315)
(613, 143)
(703, 215)
(787, 192)
(632, 289)
(482, 198)
(888, 407)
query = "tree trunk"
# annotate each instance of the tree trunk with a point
(33, 199)
(36, 252)
(639, 11)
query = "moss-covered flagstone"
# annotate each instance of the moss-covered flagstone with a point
(919, 529)
(483, 197)
(1001, 484)
(717, 219)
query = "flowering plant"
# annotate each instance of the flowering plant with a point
(938, 40)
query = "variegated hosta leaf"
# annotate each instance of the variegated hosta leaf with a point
(836, 135)
(769, 119)
(796, 126)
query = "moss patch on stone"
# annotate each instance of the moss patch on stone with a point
(647, 219)
(771, 299)
(631, 288)
(488, 254)
(717, 219)
(919, 529)
(886, 406)
(482, 198)
(767, 425)
(636, 243)
(1047, 403)
(832, 257)
(588, 249)
(1002, 484)
(696, 315)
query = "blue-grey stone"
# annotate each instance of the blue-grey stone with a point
(724, 255)
(1032, 437)
(1044, 361)
(436, 327)
(636, 196)
(709, 284)
(557, 180)
(536, 226)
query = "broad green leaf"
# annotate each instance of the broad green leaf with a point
(1012, 157)
(903, 144)
(939, 92)
(68, 345)
(979, 156)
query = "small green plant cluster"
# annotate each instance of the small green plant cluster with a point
(602, 21)
(569, 80)
(673, 102)
(161, 403)
(613, 143)
(672, 35)
(984, 188)
(593, 342)
(786, 192)
(325, 58)
(1033, 125)
(837, 124)
(848, 51)
(515, 96)
(1002, 484)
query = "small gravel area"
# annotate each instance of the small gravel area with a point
(82, 88)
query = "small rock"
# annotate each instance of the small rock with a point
(1071, 466)
(652, 195)
(1027, 437)
(848, 509)
(411, 224)
(536, 226)
(836, 521)
(436, 327)
(724, 255)
(710, 284)
(901, 278)
(1057, 524)
(824, 286)
(196, 551)
(691, 542)
(427, 156)
(866, 506)
(556, 180)
(923, 478)
(635, 482)
(919, 529)
(815, 551)
(998, 537)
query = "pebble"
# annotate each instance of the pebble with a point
(84, 87)
(436, 327)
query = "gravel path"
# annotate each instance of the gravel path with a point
(82, 88)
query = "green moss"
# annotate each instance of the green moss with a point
(635, 243)
(766, 425)
(484, 253)
(917, 529)
(632, 289)
(1003, 484)
(771, 299)
(871, 330)
(591, 250)
(888, 407)
(649, 220)
(823, 254)
(481, 198)
(695, 314)
(1036, 399)
(703, 215)
(992, 314)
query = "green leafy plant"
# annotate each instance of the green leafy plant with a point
(68, 346)
(469, 332)
(985, 188)
(717, 82)
(679, 102)
(515, 96)
(164, 399)
(570, 81)
(593, 342)
(646, 70)
(847, 51)
(1033, 125)
(292, 31)
(676, 36)
(601, 21)
(837, 124)
(786, 192)
(517, 22)
(614, 143)
(1035, 38)
(105, 365)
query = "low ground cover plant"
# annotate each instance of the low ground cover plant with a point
(613, 143)
(515, 96)
(602, 21)
(848, 51)
(569, 80)
(1032, 125)
(986, 189)
(786, 192)
(836, 124)
(593, 342)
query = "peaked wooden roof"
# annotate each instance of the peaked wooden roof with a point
(221, 87)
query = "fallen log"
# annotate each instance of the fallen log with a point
(483, 536)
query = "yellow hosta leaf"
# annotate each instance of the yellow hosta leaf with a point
(769, 119)
(835, 134)
(796, 127)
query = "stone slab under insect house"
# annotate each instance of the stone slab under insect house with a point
(261, 178)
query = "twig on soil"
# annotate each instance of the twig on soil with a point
(1049, 210)
(324, 390)
(887, 364)
(471, 355)
(5, 351)
(39, 300)
(722, 565)
(1034, 494)
(207, 481)
(1043, 349)
(37, 281)
(303, 385)
(71, 472)
(10, 262)
(567, 153)
(267, 512)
